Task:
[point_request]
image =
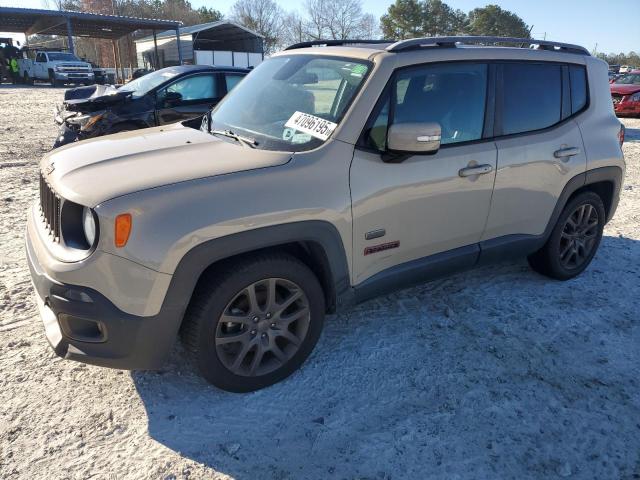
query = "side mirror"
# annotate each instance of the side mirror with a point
(406, 139)
(172, 98)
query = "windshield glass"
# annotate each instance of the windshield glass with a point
(64, 57)
(141, 86)
(631, 79)
(291, 103)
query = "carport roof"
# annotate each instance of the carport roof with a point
(229, 30)
(31, 21)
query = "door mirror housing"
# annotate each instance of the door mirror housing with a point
(172, 98)
(414, 138)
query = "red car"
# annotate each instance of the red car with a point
(625, 93)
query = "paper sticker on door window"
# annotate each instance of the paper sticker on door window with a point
(315, 126)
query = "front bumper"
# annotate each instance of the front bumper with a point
(82, 324)
(66, 135)
(74, 77)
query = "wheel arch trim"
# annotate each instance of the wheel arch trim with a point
(205, 255)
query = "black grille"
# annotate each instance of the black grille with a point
(50, 209)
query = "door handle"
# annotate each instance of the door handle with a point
(477, 170)
(566, 152)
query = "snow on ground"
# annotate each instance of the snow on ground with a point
(495, 373)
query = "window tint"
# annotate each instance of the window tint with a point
(198, 87)
(452, 95)
(232, 81)
(41, 58)
(531, 97)
(578, 78)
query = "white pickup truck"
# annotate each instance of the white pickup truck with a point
(58, 68)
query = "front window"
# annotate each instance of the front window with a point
(453, 95)
(62, 57)
(630, 79)
(292, 102)
(141, 86)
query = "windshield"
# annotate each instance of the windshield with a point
(64, 57)
(291, 103)
(141, 86)
(632, 79)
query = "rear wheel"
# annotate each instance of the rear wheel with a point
(574, 240)
(254, 323)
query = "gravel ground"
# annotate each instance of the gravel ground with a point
(495, 373)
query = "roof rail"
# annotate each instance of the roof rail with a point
(415, 43)
(333, 43)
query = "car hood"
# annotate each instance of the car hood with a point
(92, 97)
(623, 89)
(93, 171)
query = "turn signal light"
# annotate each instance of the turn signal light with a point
(123, 229)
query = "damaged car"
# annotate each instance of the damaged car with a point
(162, 97)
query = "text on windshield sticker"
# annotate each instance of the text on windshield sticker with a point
(315, 126)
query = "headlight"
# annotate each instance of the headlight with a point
(85, 122)
(89, 225)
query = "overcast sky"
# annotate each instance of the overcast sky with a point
(614, 25)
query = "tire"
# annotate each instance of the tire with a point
(574, 240)
(52, 79)
(261, 345)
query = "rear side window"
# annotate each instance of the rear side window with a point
(232, 80)
(578, 79)
(532, 97)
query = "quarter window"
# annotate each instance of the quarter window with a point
(452, 95)
(578, 78)
(532, 97)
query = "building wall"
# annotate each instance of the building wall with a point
(167, 51)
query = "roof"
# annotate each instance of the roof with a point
(232, 29)
(31, 21)
(444, 42)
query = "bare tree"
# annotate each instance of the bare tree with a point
(294, 29)
(262, 16)
(338, 20)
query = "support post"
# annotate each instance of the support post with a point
(155, 50)
(179, 46)
(70, 36)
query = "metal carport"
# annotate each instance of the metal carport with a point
(32, 21)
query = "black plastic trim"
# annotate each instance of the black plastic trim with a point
(416, 271)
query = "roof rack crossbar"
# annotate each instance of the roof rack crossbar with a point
(415, 43)
(333, 43)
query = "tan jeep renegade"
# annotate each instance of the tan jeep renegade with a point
(332, 173)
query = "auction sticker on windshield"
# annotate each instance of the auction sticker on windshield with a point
(314, 126)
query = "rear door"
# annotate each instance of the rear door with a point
(426, 204)
(539, 144)
(187, 98)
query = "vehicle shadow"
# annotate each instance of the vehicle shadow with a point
(491, 373)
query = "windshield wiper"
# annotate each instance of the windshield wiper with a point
(250, 142)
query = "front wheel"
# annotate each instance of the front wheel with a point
(574, 239)
(255, 322)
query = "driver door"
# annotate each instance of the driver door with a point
(427, 204)
(187, 98)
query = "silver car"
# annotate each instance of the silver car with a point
(331, 174)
